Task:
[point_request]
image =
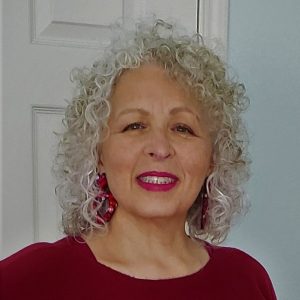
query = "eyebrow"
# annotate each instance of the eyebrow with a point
(173, 111)
(133, 110)
(180, 109)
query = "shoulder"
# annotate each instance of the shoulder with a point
(38, 252)
(242, 268)
(39, 259)
(35, 269)
(229, 252)
(235, 258)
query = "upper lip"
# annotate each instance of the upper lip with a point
(158, 174)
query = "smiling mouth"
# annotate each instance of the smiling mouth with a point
(156, 179)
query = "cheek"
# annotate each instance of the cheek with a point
(197, 161)
(116, 156)
(115, 164)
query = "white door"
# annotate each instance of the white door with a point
(42, 41)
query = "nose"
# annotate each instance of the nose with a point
(158, 145)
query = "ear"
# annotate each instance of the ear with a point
(100, 161)
(101, 167)
(210, 168)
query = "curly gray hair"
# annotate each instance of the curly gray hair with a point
(204, 74)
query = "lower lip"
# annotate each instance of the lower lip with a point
(153, 187)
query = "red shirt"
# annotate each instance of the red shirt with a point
(67, 269)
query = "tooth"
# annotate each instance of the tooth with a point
(157, 180)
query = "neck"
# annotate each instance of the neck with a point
(147, 248)
(149, 233)
(149, 236)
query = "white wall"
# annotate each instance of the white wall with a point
(264, 50)
(0, 127)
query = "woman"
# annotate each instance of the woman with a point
(151, 165)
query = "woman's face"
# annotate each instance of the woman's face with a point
(158, 151)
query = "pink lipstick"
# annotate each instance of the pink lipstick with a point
(155, 181)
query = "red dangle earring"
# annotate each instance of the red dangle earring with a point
(204, 208)
(105, 202)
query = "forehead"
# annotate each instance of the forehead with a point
(152, 83)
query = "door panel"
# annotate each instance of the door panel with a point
(46, 124)
(42, 41)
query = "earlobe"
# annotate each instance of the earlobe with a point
(211, 167)
(100, 166)
(100, 163)
(210, 170)
(101, 169)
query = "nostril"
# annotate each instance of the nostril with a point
(159, 155)
(159, 147)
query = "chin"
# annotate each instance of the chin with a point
(159, 212)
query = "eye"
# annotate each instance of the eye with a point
(182, 128)
(134, 126)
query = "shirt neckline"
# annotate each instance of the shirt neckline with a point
(208, 247)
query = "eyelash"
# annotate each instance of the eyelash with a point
(181, 128)
(134, 126)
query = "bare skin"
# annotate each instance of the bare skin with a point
(154, 126)
(145, 251)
